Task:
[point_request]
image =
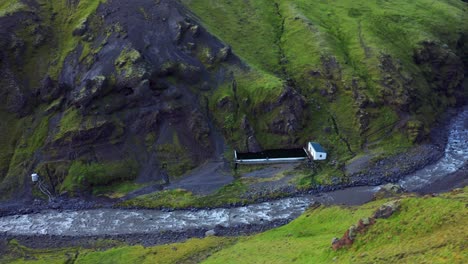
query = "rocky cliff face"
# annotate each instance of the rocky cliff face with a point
(134, 89)
(92, 93)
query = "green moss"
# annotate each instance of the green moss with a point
(32, 141)
(81, 175)
(71, 121)
(190, 251)
(127, 63)
(177, 199)
(175, 157)
(250, 24)
(20, 148)
(10, 128)
(248, 93)
(8, 7)
(68, 18)
(116, 190)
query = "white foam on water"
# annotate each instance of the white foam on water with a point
(456, 154)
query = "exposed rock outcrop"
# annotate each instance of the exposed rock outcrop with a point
(385, 211)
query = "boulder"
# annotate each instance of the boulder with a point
(387, 209)
(92, 88)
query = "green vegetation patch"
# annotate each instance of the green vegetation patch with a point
(249, 26)
(175, 157)
(179, 198)
(8, 7)
(117, 190)
(70, 17)
(71, 121)
(127, 62)
(190, 251)
(20, 148)
(82, 174)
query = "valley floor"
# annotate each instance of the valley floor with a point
(425, 229)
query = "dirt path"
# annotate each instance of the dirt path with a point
(205, 179)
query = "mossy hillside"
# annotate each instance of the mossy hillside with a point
(83, 176)
(174, 157)
(48, 43)
(9, 7)
(10, 131)
(72, 123)
(424, 230)
(24, 146)
(246, 95)
(302, 36)
(68, 17)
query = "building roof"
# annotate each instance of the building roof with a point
(273, 154)
(317, 147)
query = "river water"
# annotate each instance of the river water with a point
(100, 222)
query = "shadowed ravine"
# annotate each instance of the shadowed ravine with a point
(102, 222)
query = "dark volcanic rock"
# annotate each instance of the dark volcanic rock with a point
(443, 69)
(291, 110)
(137, 87)
(387, 209)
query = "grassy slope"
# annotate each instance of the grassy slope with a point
(425, 230)
(61, 18)
(68, 19)
(355, 32)
(191, 251)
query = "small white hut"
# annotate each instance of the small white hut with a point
(316, 151)
(34, 177)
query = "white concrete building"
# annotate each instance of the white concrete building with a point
(316, 151)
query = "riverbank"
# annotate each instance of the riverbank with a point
(424, 229)
(380, 172)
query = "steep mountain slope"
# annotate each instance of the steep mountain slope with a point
(94, 92)
(362, 66)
